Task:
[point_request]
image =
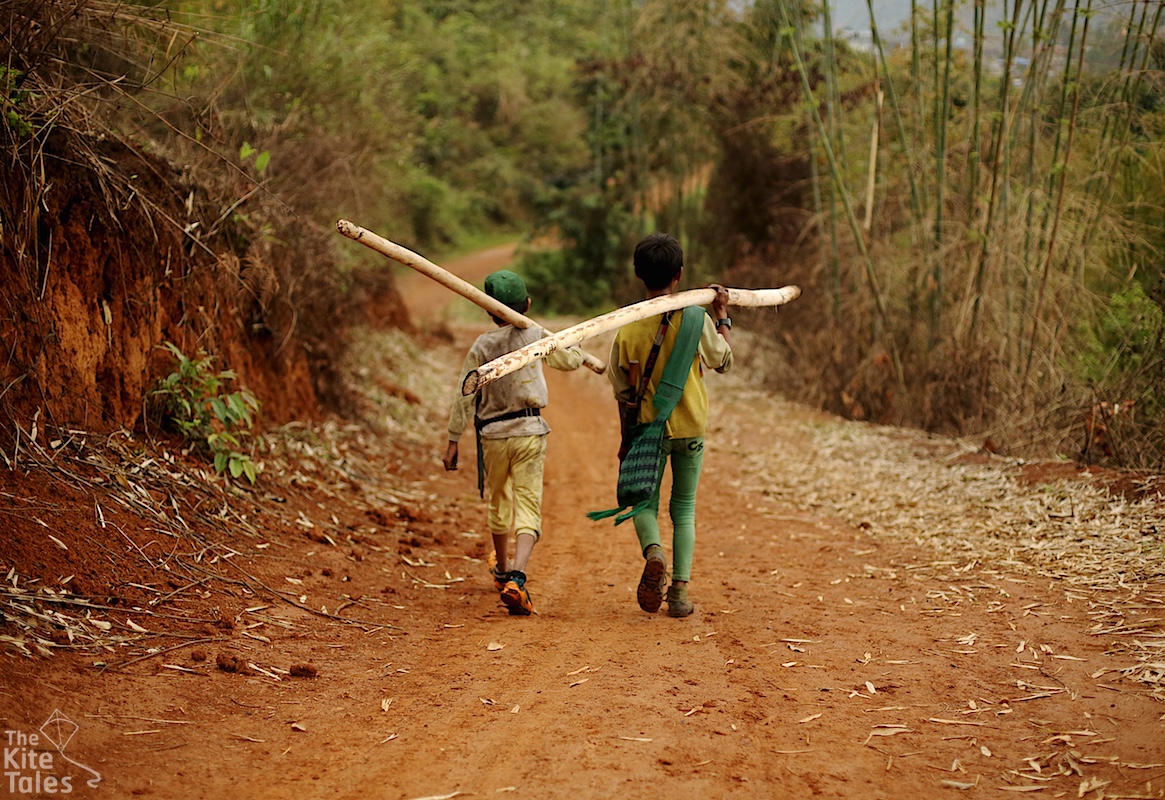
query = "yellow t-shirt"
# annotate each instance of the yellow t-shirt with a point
(633, 342)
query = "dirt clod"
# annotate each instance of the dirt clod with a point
(232, 663)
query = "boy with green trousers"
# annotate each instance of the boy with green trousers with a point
(511, 438)
(659, 263)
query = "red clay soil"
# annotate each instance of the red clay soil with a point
(123, 252)
(818, 663)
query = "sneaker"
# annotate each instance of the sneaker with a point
(500, 578)
(651, 582)
(678, 604)
(515, 596)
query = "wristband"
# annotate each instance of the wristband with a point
(726, 322)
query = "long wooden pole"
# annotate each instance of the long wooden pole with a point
(448, 280)
(510, 362)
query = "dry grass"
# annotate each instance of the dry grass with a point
(204, 520)
(978, 517)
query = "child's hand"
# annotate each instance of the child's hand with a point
(450, 459)
(720, 304)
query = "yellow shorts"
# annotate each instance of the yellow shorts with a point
(513, 473)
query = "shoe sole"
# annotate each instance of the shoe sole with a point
(513, 598)
(650, 591)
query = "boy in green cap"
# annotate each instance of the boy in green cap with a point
(511, 438)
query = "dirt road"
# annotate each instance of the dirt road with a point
(831, 654)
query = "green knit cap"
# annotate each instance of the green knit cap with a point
(506, 287)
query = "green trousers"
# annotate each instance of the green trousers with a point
(687, 459)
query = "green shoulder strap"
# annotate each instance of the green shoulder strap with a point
(679, 363)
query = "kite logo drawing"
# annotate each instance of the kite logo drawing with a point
(31, 766)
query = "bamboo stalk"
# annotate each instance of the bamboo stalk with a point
(942, 114)
(851, 217)
(1059, 204)
(909, 144)
(1000, 137)
(1057, 179)
(870, 180)
(515, 360)
(447, 279)
(819, 215)
(980, 12)
(918, 126)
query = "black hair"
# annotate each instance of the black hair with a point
(658, 260)
(521, 308)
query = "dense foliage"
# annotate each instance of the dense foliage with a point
(973, 208)
(429, 121)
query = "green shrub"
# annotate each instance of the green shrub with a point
(597, 234)
(1125, 342)
(193, 402)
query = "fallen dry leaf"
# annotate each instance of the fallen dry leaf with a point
(957, 785)
(887, 730)
(1021, 788)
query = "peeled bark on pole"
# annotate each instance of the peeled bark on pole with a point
(448, 280)
(513, 361)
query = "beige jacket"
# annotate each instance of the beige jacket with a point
(525, 388)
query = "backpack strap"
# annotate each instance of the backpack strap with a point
(649, 365)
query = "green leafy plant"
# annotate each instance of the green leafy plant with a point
(15, 101)
(262, 159)
(194, 402)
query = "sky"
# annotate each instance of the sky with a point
(893, 14)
